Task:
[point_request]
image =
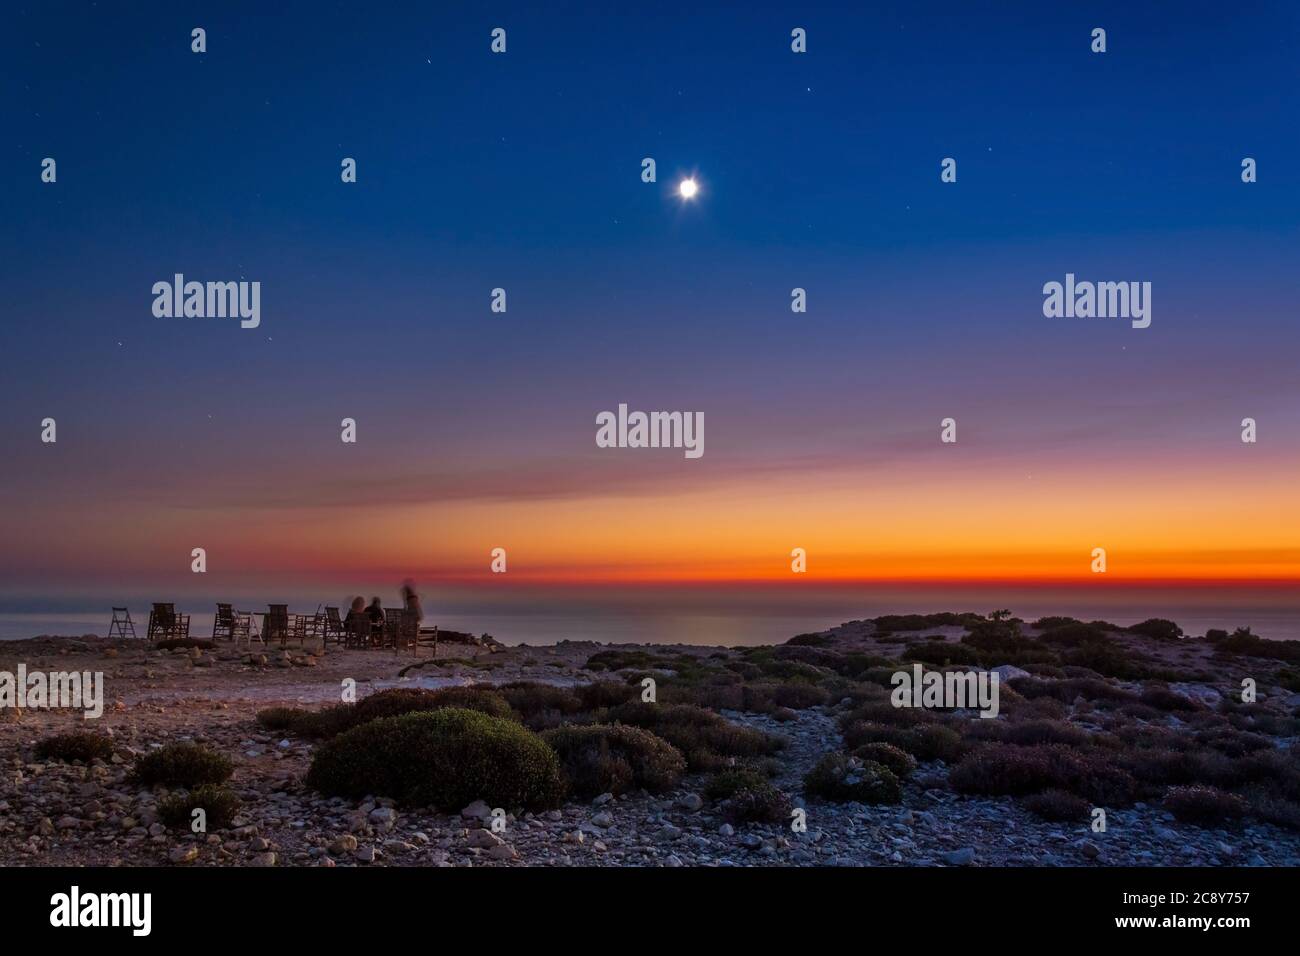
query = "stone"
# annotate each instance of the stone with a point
(963, 857)
(483, 839)
(263, 859)
(383, 817)
(478, 810)
(183, 854)
(727, 830)
(502, 851)
(603, 819)
(691, 802)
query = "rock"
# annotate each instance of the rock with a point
(259, 844)
(673, 861)
(478, 810)
(1089, 849)
(751, 841)
(502, 851)
(691, 802)
(343, 845)
(727, 830)
(1006, 672)
(603, 799)
(263, 859)
(603, 819)
(484, 839)
(183, 854)
(1200, 693)
(963, 857)
(668, 833)
(383, 817)
(68, 823)
(366, 854)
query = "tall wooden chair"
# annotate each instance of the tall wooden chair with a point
(277, 624)
(243, 631)
(333, 629)
(166, 624)
(408, 629)
(392, 626)
(121, 623)
(223, 623)
(358, 631)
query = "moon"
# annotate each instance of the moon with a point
(688, 188)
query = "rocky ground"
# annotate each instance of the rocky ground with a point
(56, 813)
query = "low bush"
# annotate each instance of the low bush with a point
(219, 805)
(1059, 806)
(183, 764)
(898, 761)
(842, 778)
(540, 705)
(1204, 806)
(280, 718)
(924, 742)
(444, 758)
(745, 796)
(704, 738)
(1010, 770)
(408, 700)
(75, 746)
(1162, 698)
(810, 640)
(1027, 732)
(941, 654)
(1158, 628)
(603, 758)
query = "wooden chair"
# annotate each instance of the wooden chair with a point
(426, 637)
(276, 626)
(392, 627)
(243, 629)
(408, 629)
(121, 623)
(358, 631)
(166, 624)
(223, 623)
(314, 628)
(333, 629)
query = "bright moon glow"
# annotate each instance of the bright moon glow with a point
(688, 189)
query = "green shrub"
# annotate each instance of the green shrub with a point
(704, 738)
(445, 758)
(604, 758)
(1074, 633)
(1010, 770)
(1162, 698)
(1027, 732)
(1158, 628)
(941, 654)
(75, 746)
(600, 694)
(280, 718)
(1204, 806)
(409, 700)
(219, 804)
(899, 762)
(841, 778)
(183, 764)
(324, 723)
(1059, 806)
(540, 705)
(810, 640)
(745, 796)
(924, 741)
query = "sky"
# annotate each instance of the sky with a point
(476, 430)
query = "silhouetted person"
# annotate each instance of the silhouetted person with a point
(358, 609)
(411, 600)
